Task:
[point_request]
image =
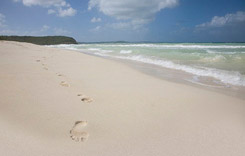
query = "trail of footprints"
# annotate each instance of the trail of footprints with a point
(44, 65)
(76, 133)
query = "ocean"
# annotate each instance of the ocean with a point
(217, 64)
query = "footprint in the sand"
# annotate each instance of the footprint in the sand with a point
(84, 98)
(38, 60)
(45, 68)
(59, 74)
(64, 84)
(77, 132)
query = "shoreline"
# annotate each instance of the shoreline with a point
(211, 65)
(160, 72)
(172, 75)
(52, 98)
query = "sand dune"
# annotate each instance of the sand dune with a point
(51, 97)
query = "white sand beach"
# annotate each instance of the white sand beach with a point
(61, 102)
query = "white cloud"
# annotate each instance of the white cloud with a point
(44, 3)
(59, 7)
(124, 25)
(228, 19)
(2, 20)
(135, 25)
(96, 29)
(51, 11)
(94, 19)
(135, 12)
(121, 25)
(66, 12)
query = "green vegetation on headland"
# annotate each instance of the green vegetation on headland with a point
(41, 40)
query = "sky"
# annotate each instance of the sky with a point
(126, 20)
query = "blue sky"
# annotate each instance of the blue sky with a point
(128, 20)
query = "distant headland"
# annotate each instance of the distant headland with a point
(41, 40)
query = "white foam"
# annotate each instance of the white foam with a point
(227, 77)
(126, 51)
(202, 84)
(61, 45)
(175, 46)
(64, 46)
(99, 50)
(106, 51)
(216, 58)
(218, 52)
(94, 49)
(101, 54)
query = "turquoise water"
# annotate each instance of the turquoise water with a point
(224, 62)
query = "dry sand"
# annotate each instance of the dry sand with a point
(48, 95)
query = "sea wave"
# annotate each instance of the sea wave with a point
(219, 52)
(100, 50)
(64, 46)
(125, 51)
(178, 46)
(94, 49)
(216, 58)
(227, 77)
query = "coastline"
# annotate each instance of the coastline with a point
(176, 76)
(131, 113)
(185, 78)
